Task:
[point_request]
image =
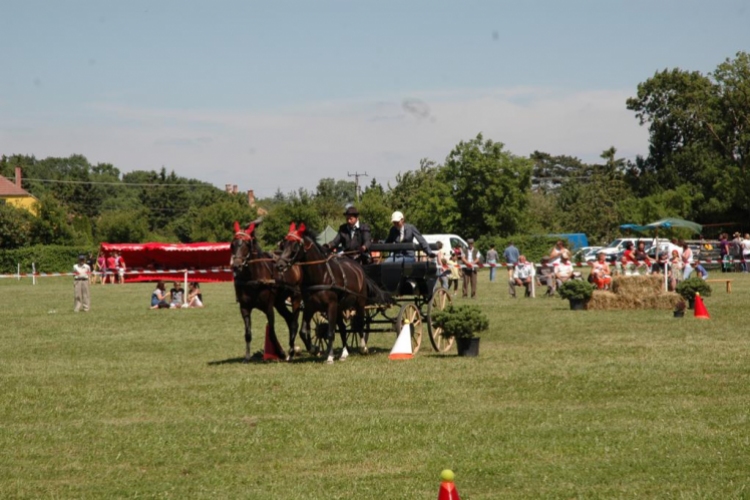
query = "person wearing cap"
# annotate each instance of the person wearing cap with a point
(401, 232)
(81, 276)
(353, 238)
(471, 259)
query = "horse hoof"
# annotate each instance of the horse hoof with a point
(246, 361)
(329, 361)
(364, 350)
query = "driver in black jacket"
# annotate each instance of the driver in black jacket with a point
(353, 238)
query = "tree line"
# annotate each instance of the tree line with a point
(698, 168)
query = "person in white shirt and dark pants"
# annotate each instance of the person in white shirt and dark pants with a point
(81, 274)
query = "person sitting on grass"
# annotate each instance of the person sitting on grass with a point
(602, 276)
(176, 294)
(159, 297)
(546, 276)
(195, 297)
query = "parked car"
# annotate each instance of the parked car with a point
(586, 254)
(450, 241)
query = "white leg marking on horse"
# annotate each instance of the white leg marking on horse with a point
(344, 354)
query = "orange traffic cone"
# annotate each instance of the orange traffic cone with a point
(448, 490)
(402, 347)
(700, 308)
(272, 349)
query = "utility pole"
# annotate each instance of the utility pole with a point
(356, 176)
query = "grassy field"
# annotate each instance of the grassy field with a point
(128, 402)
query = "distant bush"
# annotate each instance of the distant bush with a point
(48, 258)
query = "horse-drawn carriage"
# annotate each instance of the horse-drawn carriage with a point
(337, 292)
(412, 286)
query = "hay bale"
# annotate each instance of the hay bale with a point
(602, 301)
(638, 286)
(608, 301)
(665, 301)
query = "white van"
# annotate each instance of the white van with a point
(450, 241)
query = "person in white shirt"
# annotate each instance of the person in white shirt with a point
(81, 274)
(522, 276)
(471, 260)
(563, 270)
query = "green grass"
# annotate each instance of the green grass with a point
(129, 402)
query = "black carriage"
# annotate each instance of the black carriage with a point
(417, 294)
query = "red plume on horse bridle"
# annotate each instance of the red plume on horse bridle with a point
(295, 233)
(247, 234)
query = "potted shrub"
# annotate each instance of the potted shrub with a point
(462, 323)
(577, 292)
(689, 287)
(679, 309)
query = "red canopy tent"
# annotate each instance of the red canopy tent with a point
(205, 262)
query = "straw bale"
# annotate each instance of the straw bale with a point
(638, 286)
(664, 301)
(602, 301)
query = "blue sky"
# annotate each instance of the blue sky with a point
(277, 95)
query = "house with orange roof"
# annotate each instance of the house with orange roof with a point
(13, 194)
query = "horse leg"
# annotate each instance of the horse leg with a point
(270, 317)
(248, 330)
(358, 326)
(342, 332)
(291, 321)
(332, 320)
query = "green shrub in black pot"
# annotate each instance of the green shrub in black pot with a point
(689, 287)
(462, 323)
(577, 292)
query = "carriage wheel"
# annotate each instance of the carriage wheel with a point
(352, 340)
(411, 313)
(318, 333)
(440, 300)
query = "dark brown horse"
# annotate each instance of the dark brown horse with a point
(330, 285)
(258, 285)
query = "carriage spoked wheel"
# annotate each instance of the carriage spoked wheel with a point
(352, 339)
(318, 333)
(440, 300)
(411, 313)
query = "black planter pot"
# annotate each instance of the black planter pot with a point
(679, 314)
(468, 347)
(577, 304)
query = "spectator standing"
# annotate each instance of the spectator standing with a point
(724, 252)
(687, 259)
(81, 276)
(555, 255)
(442, 261)
(492, 258)
(511, 257)
(101, 267)
(111, 268)
(455, 266)
(523, 273)
(745, 243)
(120, 268)
(471, 259)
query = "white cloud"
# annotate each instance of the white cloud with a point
(294, 148)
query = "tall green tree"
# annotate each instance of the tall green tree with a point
(699, 128)
(490, 186)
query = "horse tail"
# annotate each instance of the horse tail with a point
(376, 295)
